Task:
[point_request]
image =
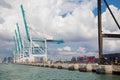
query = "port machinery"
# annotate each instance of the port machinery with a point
(31, 50)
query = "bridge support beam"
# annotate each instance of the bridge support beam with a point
(100, 39)
(111, 35)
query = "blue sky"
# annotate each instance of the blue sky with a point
(110, 2)
(114, 2)
(74, 21)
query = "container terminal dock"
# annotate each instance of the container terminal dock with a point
(81, 64)
(28, 53)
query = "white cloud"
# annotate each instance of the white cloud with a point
(59, 49)
(75, 26)
(81, 50)
(108, 22)
(65, 53)
(67, 48)
(45, 17)
(111, 45)
(4, 4)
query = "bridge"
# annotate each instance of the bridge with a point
(100, 34)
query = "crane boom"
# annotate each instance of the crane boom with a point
(25, 24)
(56, 41)
(17, 41)
(19, 35)
(16, 49)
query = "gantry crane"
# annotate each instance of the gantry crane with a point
(42, 49)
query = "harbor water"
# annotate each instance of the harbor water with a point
(24, 72)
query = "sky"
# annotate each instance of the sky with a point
(74, 21)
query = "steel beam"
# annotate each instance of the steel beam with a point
(111, 35)
(100, 39)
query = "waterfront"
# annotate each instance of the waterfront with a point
(23, 72)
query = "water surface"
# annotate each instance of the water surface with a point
(23, 72)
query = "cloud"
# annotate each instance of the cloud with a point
(111, 45)
(1, 20)
(81, 50)
(4, 4)
(109, 24)
(59, 49)
(50, 21)
(66, 51)
(67, 48)
(75, 26)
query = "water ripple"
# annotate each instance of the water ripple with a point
(21, 72)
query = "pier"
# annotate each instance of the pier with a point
(82, 67)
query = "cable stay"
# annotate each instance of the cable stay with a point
(112, 13)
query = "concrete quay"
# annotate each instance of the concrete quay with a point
(116, 69)
(82, 67)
